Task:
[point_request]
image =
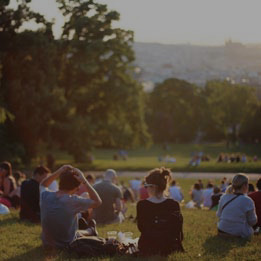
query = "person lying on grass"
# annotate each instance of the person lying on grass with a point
(59, 210)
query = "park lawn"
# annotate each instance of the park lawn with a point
(143, 159)
(21, 240)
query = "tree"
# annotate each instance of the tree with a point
(104, 101)
(174, 114)
(250, 130)
(76, 92)
(229, 105)
(28, 80)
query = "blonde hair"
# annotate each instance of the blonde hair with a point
(237, 183)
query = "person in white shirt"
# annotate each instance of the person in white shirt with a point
(175, 192)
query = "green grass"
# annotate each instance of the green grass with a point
(144, 159)
(21, 241)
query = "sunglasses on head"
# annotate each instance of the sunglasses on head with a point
(146, 185)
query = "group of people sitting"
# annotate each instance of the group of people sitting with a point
(235, 158)
(70, 213)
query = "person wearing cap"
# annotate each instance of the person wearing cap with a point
(110, 210)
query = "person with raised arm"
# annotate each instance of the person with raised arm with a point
(59, 210)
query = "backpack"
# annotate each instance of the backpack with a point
(93, 246)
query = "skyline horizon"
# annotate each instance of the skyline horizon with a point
(204, 23)
(204, 45)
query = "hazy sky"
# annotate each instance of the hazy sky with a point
(207, 22)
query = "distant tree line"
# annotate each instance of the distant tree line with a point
(78, 92)
(180, 111)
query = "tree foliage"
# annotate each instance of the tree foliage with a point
(228, 106)
(175, 111)
(76, 92)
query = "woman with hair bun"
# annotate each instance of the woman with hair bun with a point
(236, 211)
(159, 218)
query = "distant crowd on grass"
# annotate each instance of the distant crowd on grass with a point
(197, 158)
(68, 204)
(235, 158)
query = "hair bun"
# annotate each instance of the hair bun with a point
(165, 172)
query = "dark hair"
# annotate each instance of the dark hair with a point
(68, 181)
(258, 183)
(216, 190)
(173, 183)
(41, 170)
(251, 187)
(18, 175)
(90, 177)
(159, 177)
(210, 185)
(6, 166)
(197, 186)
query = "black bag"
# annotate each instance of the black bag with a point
(93, 246)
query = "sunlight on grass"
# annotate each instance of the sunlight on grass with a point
(21, 240)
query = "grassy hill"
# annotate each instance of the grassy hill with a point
(148, 158)
(21, 240)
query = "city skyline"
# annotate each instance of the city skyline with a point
(201, 22)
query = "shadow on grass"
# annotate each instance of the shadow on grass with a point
(15, 220)
(220, 247)
(34, 254)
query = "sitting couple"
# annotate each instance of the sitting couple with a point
(159, 218)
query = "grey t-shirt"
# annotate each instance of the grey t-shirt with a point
(108, 193)
(238, 217)
(59, 217)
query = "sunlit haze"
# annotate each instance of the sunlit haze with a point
(202, 22)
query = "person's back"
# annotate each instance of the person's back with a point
(160, 225)
(175, 193)
(256, 197)
(30, 208)
(236, 211)
(59, 210)
(59, 217)
(158, 218)
(108, 193)
(197, 195)
(207, 193)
